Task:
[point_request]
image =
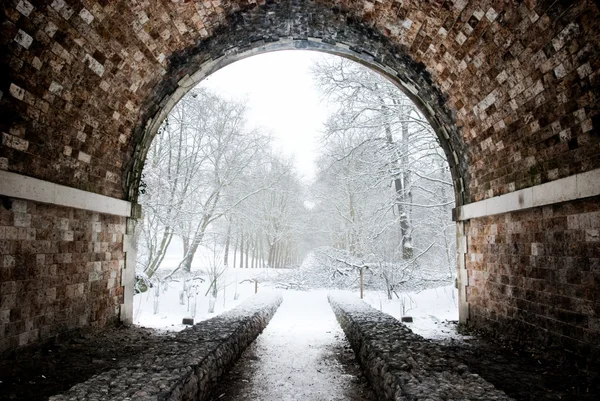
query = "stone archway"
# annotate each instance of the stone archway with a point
(511, 88)
(301, 26)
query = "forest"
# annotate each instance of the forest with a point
(379, 206)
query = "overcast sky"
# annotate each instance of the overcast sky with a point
(282, 98)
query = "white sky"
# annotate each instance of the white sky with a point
(282, 99)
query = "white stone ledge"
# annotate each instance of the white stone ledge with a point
(571, 188)
(19, 186)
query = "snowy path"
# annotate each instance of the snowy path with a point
(302, 355)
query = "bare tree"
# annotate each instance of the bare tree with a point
(199, 156)
(383, 177)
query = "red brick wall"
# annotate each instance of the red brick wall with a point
(60, 269)
(536, 273)
(518, 79)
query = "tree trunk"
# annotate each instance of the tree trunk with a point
(242, 251)
(400, 185)
(235, 249)
(407, 247)
(215, 289)
(186, 245)
(361, 282)
(189, 257)
(352, 248)
(247, 251)
(279, 255)
(160, 255)
(270, 258)
(227, 240)
(286, 254)
(253, 252)
(276, 255)
(261, 260)
(388, 286)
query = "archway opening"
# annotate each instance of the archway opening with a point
(346, 187)
(510, 89)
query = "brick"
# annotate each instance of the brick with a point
(22, 220)
(24, 39)
(499, 87)
(86, 16)
(84, 157)
(14, 142)
(554, 276)
(34, 275)
(24, 7)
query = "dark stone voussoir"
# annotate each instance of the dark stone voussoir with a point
(402, 365)
(186, 366)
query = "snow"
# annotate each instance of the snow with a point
(295, 354)
(171, 312)
(430, 310)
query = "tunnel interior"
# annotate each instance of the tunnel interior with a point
(511, 89)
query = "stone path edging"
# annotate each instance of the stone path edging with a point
(402, 365)
(186, 367)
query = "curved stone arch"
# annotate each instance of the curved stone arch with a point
(288, 28)
(513, 85)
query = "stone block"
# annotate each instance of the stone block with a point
(190, 364)
(402, 365)
(42, 274)
(545, 257)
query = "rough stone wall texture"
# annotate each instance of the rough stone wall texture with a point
(535, 274)
(401, 365)
(186, 366)
(60, 269)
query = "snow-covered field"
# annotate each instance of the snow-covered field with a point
(430, 309)
(239, 285)
(164, 308)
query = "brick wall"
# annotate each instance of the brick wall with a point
(536, 274)
(514, 83)
(512, 87)
(60, 269)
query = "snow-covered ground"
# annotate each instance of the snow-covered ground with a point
(294, 358)
(239, 285)
(162, 308)
(430, 310)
